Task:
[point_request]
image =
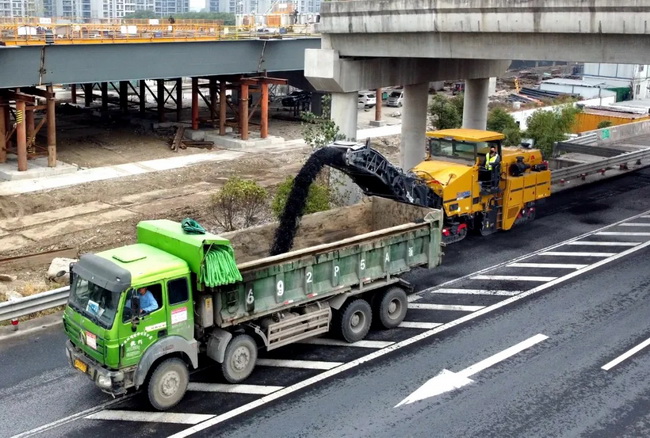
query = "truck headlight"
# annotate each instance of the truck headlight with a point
(104, 381)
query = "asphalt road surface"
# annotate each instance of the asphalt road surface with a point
(574, 285)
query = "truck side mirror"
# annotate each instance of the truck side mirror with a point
(135, 310)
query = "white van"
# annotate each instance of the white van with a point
(367, 99)
(395, 98)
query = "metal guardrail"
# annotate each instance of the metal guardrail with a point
(582, 170)
(34, 303)
(584, 148)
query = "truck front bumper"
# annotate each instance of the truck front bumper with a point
(111, 382)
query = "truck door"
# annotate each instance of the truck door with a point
(137, 334)
(181, 310)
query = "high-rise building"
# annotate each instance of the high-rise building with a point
(21, 8)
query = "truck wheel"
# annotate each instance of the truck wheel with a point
(390, 307)
(168, 384)
(239, 359)
(355, 319)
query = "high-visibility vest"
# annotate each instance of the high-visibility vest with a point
(490, 161)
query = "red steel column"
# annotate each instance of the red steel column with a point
(222, 107)
(104, 96)
(195, 103)
(179, 99)
(161, 99)
(3, 133)
(73, 93)
(378, 105)
(21, 135)
(213, 99)
(51, 129)
(264, 111)
(29, 120)
(143, 96)
(243, 111)
(88, 95)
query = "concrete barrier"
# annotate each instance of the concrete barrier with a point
(618, 133)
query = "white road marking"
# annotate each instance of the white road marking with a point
(635, 224)
(645, 216)
(546, 265)
(624, 356)
(419, 325)
(511, 278)
(448, 380)
(413, 297)
(591, 243)
(305, 364)
(398, 345)
(234, 389)
(578, 254)
(505, 293)
(150, 417)
(622, 233)
(340, 343)
(445, 307)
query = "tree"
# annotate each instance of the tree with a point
(500, 120)
(318, 198)
(444, 113)
(548, 127)
(238, 203)
(319, 131)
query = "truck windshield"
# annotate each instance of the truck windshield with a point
(449, 148)
(94, 302)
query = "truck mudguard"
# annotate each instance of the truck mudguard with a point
(217, 344)
(164, 347)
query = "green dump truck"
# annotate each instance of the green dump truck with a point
(140, 315)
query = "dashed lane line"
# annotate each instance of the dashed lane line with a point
(623, 233)
(503, 293)
(635, 224)
(625, 355)
(453, 307)
(305, 364)
(150, 417)
(546, 265)
(419, 325)
(578, 254)
(592, 243)
(232, 389)
(340, 343)
(512, 278)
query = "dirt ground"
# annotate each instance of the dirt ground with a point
(173, 194)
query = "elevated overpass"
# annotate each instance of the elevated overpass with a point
(367, 44)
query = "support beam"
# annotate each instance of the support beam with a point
(29, 121)
(195, 103)
(344, 113)
(179, 99)
(317, 103)
(21, 136)
(223, 106)
(213, 99)
(264, 111)
(143, 96)
(243, 111)
(124, 97)
(104, 97)
(414, 124)
(160, 98)
(475, 103)
(88, 95)
(73, 93)
(3, 133)
(378, 106)
(51, 130)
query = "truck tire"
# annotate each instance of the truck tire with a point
(390, 307)
(239, 359)
(168, 384)
(354, 320)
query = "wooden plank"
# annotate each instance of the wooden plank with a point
(176, 143)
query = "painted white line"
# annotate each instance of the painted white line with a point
(150, 417)
(624, 356)
(635, 224)
(419, 325)
(578, 254)
(340, 343)
(447, 380)
(511, 278)
(645, 216)
(622, 233)
(413, 297)
(591, 243)
(72, 417)
(233, 389)
(305, 364)
(546, 265)
(398, 345)
(445, 307)
(505, 293)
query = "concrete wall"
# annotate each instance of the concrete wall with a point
(584, 91)
(523, 115)
(615, 134)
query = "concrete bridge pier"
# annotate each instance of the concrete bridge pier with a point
(476, 103)
(344, 113)
(414, 124)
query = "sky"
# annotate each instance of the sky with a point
(197, 5)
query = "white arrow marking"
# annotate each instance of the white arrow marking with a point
(448, 380)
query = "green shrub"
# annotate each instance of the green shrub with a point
(604, 124)
(317, 200)
(238, 203)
